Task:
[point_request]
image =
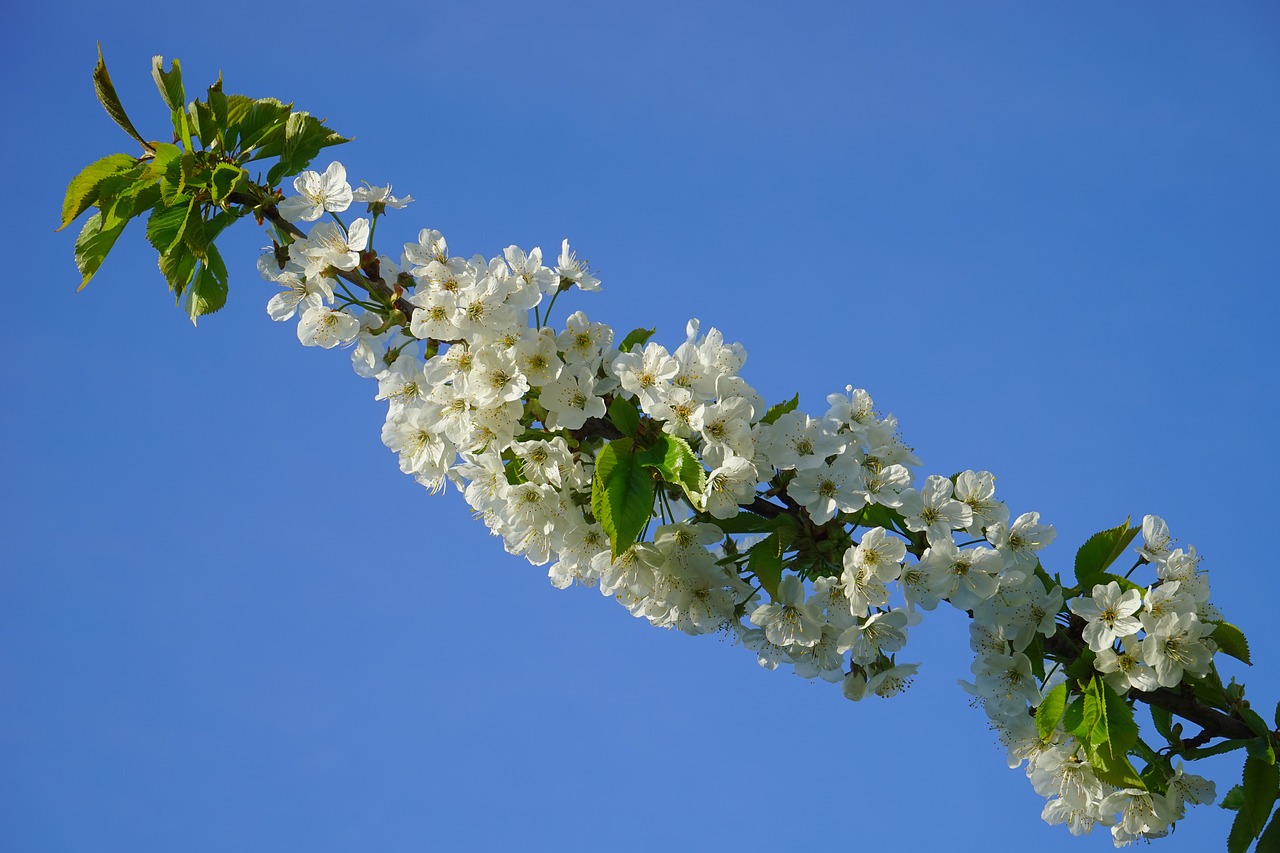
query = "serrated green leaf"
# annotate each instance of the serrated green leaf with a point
(1234, 800)
(165, 227)
(217, 102)
(1230, 640)
(1081, 669)
(673, 458)
(1209, 691)
(1270, 840)
(225, 180)
(262, 129)
(764, 560)
(167, 167)
(1261, 749)
(779, 409)
(1240, 837)
(623, 415)
(169, 82)
(635, 338)
(743, 522)
(1119, 772)
(208, 291)
(1073, 717)
(1163, 720)
(1260, 782)
(1219, 748)
(304, 136)
(203, 124)
(82, 191)
(93, 244)
(178, 267)
(1102, 549)
(111, 101)
(621, 494)
(1095, 723)
(193, 232)
(1049, 712)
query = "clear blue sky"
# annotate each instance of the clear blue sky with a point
(1046, 238)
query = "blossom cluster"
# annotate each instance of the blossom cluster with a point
(1141, 639)
(483, 392)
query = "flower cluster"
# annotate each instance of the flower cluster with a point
(825, 514)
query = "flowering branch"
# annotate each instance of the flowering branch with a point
(665, 480)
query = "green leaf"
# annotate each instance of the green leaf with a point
(178, 266)
(136, 199)
(217, 102)
(1220, 748)
(1261, 781)
(208, 291)
(1209, 691)
(1234, 800)
(165, 227)
(1073, 717)
(1164, 723)
(1050, 711)
(203, 123)
(1230, 640)
(1081, 669)
(1261, 749)
(82, 191)
(92, 246)
(624, 416)
(304, 136)
(167, 167)
(170, 85)
(635, 338)
(779, 409)
(764, 559)
(1101, 551)
(225, 179)
(621, 494)
(256, 127)
(111, 101)
(673, 458)
(743, 522)
(193, 232)
(1270, 840)
(1108, 724)
(169, 82)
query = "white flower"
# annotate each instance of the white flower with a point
(977, 490)
(828, 489)
(379, 198)
(316, 194)
(1143, 814)
(731, 485)
(1176, 644)
(1021, 540)
(328, 246)
(934, 511)
(1109, 614)
(1156, 539)
(321, 326)
(1006, 679)
(965, 578)
(883, 631)
(892, 681)
(1125, 669)
(789, 621)
(576, 271)
(867, 566)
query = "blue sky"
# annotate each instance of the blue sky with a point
(1045, 238)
